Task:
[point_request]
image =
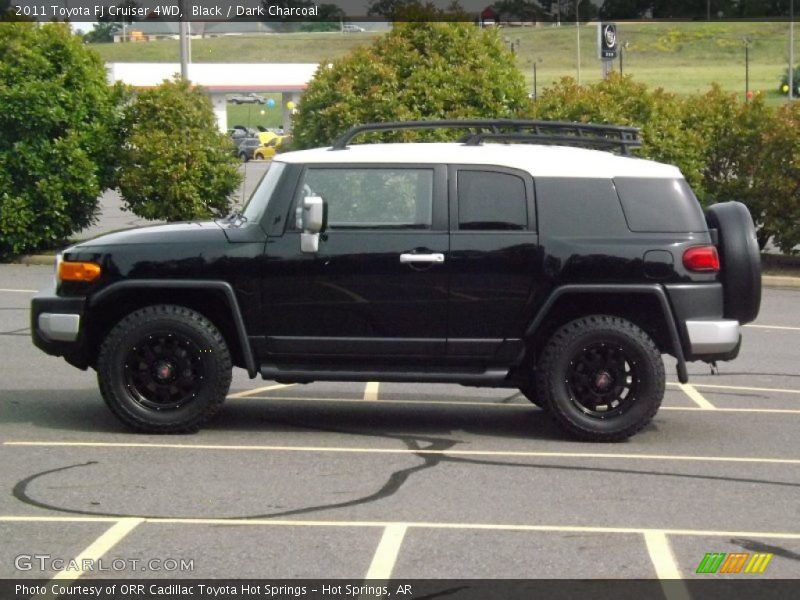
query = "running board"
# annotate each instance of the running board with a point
(304, 374)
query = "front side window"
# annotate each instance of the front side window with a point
(371, 198)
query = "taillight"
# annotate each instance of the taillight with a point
(703, 259)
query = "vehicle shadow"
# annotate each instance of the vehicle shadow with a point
(83, 411)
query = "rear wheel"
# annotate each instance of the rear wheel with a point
(601, 378)
(164, 369)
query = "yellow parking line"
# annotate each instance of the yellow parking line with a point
(666, 566)
(785, 535)
(100, 546)
(246, 393)
(356, 450)
(359, 401)
(525, 406)
(778, 327)
(387, 551)
(371, 390)
(696, 396)
(786, 411)
(713, 386)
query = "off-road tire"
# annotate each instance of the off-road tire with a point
(529, 391)
(558, 374)
(193, 341)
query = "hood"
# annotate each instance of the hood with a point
(172, 233)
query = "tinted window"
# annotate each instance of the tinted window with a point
(489, 200)
(370, 198)
(660, 205)
(578, 207)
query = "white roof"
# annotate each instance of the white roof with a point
(542, 161)
(219, 77)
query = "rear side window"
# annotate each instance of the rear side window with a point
(659, 205)
(579, 207)
(489, 200)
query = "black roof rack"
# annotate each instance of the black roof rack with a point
(589, 135)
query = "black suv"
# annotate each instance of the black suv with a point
(515, 257)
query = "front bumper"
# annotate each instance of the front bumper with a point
(56, 327)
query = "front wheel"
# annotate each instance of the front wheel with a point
(164, 369)
(601, 378)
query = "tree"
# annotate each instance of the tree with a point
(102, 32)
(420, 70)
(59, 135)
(176, 165)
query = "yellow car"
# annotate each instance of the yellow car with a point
(270, 149)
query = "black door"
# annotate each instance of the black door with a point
(493, 257)
(377, 285)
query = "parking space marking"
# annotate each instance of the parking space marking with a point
(695, 396)
(665, 564)
(356, 450)
(525, 406)
(784, 535)
(387, 551)
(246, 393)
(371, 390)
(714, 386)
(383, 401)
(19, 291)
(777, 327)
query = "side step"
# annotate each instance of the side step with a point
(306, 374)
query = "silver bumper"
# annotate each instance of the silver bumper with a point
(59, 327)
(713, 337)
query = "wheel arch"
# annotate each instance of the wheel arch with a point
(215, 300)
(645, 305)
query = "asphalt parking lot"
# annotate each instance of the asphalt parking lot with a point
(378, 480)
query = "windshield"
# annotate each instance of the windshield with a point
(258, 201)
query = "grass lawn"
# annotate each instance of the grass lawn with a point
(680, 57)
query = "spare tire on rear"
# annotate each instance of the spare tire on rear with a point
(740, 260)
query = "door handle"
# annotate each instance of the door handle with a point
(409, 258)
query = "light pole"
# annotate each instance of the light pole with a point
(535, 90)
(578, 34)
(622, 48)
(791, 50)
(746, 41)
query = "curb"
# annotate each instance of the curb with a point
(780, 281)
(36, 259)
(768, 281)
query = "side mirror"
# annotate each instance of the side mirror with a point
(313, 222)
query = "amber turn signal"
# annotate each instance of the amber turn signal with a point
(78, 271)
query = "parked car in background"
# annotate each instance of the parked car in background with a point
(247, 99)
(352, 29)
(238, 134)
(270, 149)
(247, 148)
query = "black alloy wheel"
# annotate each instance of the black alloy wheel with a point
(164, 369)
(601, 378)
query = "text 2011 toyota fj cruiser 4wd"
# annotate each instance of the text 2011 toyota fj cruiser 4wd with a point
(557, 269)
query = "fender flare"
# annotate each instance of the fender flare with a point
(220, 286)
(589, 288)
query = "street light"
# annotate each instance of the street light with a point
(746, 41)
(535, 91)
(578, 34)
(791, 50)
(622, 48)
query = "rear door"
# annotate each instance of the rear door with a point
(493, 257)
(377, 286)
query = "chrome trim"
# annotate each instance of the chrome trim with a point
(410, 258)
(59, 327)
(713, 337)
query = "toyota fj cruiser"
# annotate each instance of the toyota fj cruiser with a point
(525, 255)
